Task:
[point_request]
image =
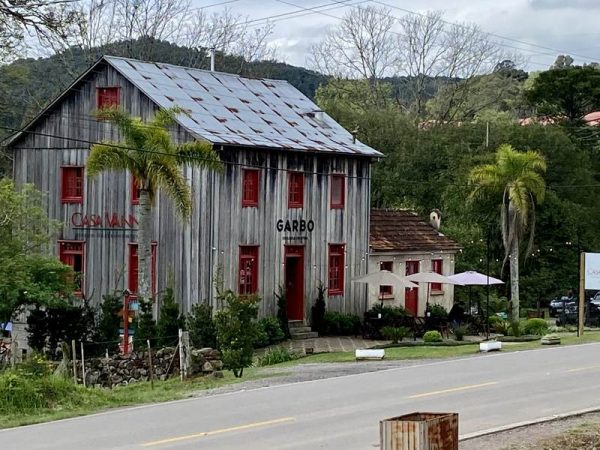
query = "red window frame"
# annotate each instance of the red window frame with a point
(250, 188)
(384, 289)
(437, 266)
(336, 269)
(72, 253)
(338, 191)
(135, 191)
(72, 178)
(295, 190)
(108, 97)
(248, 270)
(132, 280)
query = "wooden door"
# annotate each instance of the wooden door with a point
(294, 281)
(411, 295)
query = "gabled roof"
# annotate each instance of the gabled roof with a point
(229, 109)
(406, 231)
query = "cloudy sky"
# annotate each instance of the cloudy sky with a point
(553, 26)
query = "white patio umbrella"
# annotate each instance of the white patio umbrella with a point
(472, 278)
(430, 278)
(385, 278)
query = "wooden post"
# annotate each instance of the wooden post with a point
(13, 352)
(581, 317)
(74, 360)
(82, 365)
(184, 354)
(150, 364)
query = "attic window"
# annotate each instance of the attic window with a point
(108, 97)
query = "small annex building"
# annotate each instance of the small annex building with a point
(290, 209)
(404, 243)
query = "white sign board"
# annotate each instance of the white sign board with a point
(592, 270)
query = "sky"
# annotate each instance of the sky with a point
(553, 26)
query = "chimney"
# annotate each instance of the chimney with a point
(435, 219)
(212, 59)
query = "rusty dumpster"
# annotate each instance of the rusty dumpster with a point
(420, 431)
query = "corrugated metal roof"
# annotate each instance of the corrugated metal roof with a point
(232, 110)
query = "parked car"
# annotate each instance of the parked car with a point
(571, 315)
(596, 299)
(557, 304)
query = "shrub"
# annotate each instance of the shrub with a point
(459, 332)
(390, 315)
(145, 326)
(339, 324)
(395, 334)
(271, 330)
(438, 312)
(538, 327)
(515, 328)
(282, 316)
(432, 336)
(109, 321)
(237, 330)
(317, 312)
(170, 321)
(275, 356)
(201, 326)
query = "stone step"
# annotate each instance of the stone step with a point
(295, 323)
(306, 335)
(300, 330)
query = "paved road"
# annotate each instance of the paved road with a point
(341, 413)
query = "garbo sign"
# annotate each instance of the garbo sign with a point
(295, 225)
(109, 220)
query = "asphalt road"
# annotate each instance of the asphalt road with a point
(341, 413)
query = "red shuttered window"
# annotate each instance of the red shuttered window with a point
(437, 266)
(135, 192)
(386, 290)
(338, 191)
(132, 283)
(296, 190)
(336, 269)
(72, 184)
(248, 271)
(107, 97)
(72, 254)
(250, 188)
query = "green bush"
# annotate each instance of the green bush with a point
(395, 334)
(459, 332)
(201, 326)
(438, 312)
(109, 324)
(145, 326)
(275, 356)
(340, 324)
(537, 327)
(515, 328)
(237, 330)
(317, 312)
(270, 331)
(390, 315)
(170, 321)
(282, 316)
(432, 336)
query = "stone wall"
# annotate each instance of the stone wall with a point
(126, 369)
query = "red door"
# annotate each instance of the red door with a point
(294, 281)
(411, 295)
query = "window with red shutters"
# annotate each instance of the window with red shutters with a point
(135, 191)
(336, 269)
(72, 254)
(132, 283)
(386, 290)
(250, 188)
(295, 190)
(437, 266)
(107, 97)
(72, 184)
(338, 191)
(248, 272)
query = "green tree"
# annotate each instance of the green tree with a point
(156, 162)
(201, 326)
(169, 319)
(145, 327)
(107, 329)
(518, 178)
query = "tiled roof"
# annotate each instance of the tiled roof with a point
(405, 231)
(233, 110)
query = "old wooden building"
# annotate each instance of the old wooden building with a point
(290, 209)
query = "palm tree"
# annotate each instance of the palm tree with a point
(149, 154)
(518, 177)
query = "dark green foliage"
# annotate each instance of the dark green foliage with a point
(145, 326)
(282, 316)
(340, 324)
(317, 311)
(37, 327)
(515, 328)
(538, 327)
(201, 326)
(275, 355)
(237, 330)
(438, 312)
(459, 332)
(170, 321)
(380, 316)
(395, 334)
(432, 336)
(269, 332)
(107, 329)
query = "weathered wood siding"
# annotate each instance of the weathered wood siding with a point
(190, 254)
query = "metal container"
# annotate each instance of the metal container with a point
(420, 431)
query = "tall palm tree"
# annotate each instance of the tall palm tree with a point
(155, 161)
(518, 177)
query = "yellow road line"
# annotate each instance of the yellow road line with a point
(578, 369)
(456, 389)
(222, 430)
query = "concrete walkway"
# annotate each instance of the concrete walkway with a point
(326, 344)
